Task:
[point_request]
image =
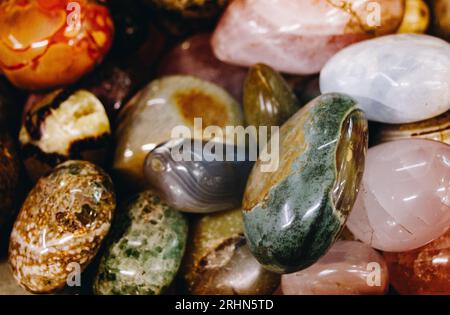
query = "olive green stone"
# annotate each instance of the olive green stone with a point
(145, 251)
(294, 215)
(218, 260)
(268, 99)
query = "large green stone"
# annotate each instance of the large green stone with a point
(292, 216)
(145, 252)
(268, 99)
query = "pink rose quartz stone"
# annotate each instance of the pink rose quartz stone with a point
(404, 201)
(299, 37)
(348, 268)
(195, 57)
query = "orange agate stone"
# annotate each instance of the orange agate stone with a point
(422, 271)
(49, 43)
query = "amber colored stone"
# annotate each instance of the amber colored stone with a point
(436, 128)
(268, 99)
(422, 271)
(416, 18)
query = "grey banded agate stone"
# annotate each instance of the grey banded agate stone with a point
(198, 176)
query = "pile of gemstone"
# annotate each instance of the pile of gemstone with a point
(248, 147)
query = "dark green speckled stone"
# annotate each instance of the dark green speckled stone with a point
(292, 216)
(146, 249)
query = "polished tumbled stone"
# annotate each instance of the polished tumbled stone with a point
(396, 79)
(293, 216)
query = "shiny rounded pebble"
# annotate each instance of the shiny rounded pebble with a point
(147, 244)
(61, 226)
(404, 201)
(396, 79)
(294, 214)
(198, 176)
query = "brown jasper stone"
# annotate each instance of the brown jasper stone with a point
(437, 128)
(416, 18)
(61, 226)
(218, 261)
(9, 178)
(150, 117)
(422, 271)
(60, 126)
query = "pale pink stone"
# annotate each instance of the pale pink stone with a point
(195, 57)
(348, 268)
(404, 202)
(298, 36)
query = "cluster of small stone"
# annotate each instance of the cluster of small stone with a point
(333, 214)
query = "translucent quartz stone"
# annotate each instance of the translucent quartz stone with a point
(298, 37)
(348, 268)
(396, 79)
(404, 201)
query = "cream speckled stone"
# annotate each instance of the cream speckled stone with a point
(62, 223)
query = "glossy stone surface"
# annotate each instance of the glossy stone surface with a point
(9, 178)
(194, 57)
(63, 221)
(294, 215)
(63, 125)
(437, 128)
(392, 84)
(441, 12)
(422, 271)
(268, 99)
(417, 17)
(147, 245)
(348, 268)
(298, 37)
(149, 118)
(414, 208)
(179, 17)
(218, 261)
(48, 44)
(204, 181)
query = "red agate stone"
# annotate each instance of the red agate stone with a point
(422, 271)
(51, 43)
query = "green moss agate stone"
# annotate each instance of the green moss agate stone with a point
(268, 99)
(292, 216)
(146, 249)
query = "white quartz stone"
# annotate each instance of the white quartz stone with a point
(396, 79)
